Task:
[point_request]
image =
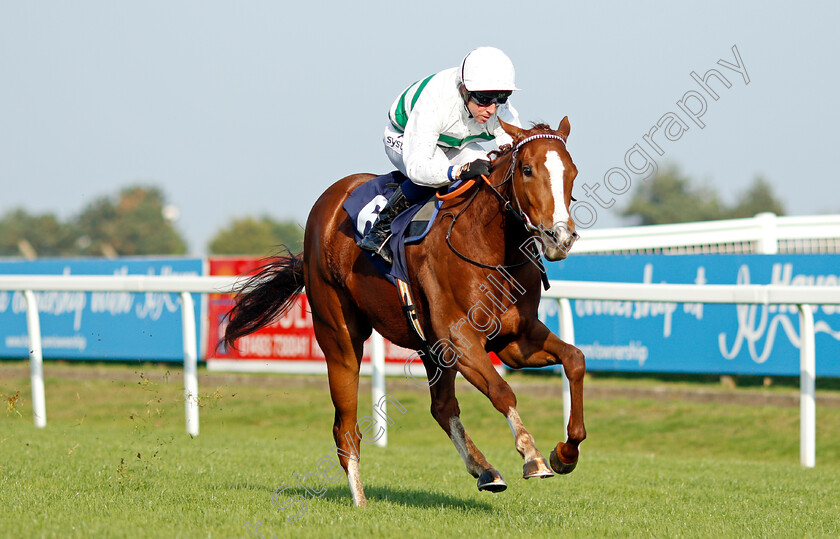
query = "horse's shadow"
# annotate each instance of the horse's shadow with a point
(404, 496)
(418, 498)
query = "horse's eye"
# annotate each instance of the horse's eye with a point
(526, 170)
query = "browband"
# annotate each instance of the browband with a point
(534, 137)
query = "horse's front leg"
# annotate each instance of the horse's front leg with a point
(539, 347)
(447, 413)
(476, 367)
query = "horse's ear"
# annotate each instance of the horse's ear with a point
(564, 128)
(515, 133)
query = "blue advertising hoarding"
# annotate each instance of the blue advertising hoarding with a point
(699, 338)
(99, 325)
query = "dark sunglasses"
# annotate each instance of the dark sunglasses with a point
(485, 99)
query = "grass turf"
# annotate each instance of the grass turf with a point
(114, 461)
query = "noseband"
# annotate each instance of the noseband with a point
(516, 212)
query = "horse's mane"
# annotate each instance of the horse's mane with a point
(541, 127)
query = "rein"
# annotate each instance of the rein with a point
(516, 212)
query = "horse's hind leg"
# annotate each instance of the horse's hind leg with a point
(447, 413)
(342, 347)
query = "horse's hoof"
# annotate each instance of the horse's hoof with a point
(536, 468)
(491, 480)
(558, 465)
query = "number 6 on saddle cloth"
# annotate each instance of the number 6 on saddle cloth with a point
(364, 204)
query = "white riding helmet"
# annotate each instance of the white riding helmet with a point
(486, 69)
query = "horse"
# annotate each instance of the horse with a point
(476, 289)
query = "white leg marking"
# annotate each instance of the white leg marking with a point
(513, 421)
(458, 436)
(522, 439)
(457, 431)
(355, 481)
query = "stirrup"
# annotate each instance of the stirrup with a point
(373, 244)
(384, 251)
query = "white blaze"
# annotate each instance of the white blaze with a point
(555, 173)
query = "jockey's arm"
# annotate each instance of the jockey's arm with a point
(425, 162)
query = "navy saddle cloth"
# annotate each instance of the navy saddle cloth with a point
(367, 200)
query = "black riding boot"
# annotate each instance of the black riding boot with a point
(376, 240)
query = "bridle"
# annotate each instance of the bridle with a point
(521, 215)
(515, 211)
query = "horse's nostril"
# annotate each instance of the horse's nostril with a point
(553, 237)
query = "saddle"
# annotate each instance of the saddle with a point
(411, 226)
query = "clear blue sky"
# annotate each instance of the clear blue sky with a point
(249, 108)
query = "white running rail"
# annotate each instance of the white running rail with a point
(803, 297)
(765, 234)
(562, 291)
(182, 285)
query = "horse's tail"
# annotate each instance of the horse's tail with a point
(265, 296)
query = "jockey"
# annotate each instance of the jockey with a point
(436, 129)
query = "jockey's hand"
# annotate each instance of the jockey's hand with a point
(474, 169)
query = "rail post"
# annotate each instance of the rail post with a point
(36, 360)
(807, 388)
(190, 363)
(567, 333)
(768, 240)
(377, 377)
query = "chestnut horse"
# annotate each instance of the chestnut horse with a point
(476, 286)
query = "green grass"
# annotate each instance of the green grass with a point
(114, 461)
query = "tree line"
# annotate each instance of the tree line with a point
(671, 197)
(137, 221)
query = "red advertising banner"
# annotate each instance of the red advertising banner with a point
(290, 338)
